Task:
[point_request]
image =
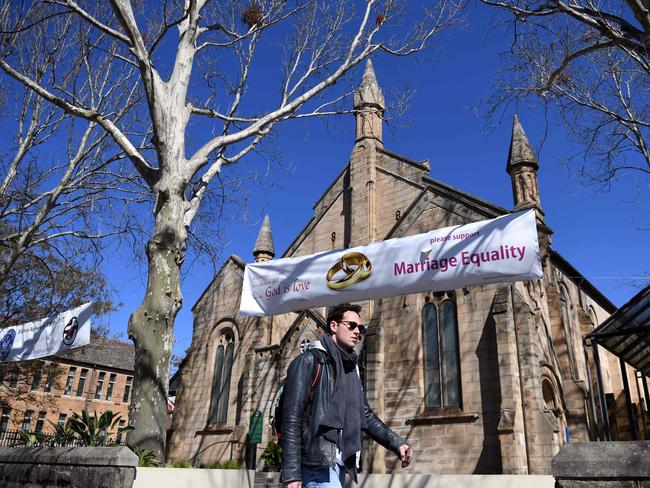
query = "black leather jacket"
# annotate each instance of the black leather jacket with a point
(301, 441)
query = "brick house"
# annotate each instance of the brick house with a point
(488, 379)
(96, 377)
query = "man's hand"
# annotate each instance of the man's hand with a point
(405, 454)
(292, 484)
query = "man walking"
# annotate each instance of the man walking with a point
(325, 409)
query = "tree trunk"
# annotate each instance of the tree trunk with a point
(151, 326)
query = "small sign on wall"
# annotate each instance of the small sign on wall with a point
(255, 434)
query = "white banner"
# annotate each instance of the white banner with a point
(46, 337)
(501, 250)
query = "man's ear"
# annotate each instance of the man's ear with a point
(331, 330)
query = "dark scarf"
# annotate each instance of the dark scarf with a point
(345, 408)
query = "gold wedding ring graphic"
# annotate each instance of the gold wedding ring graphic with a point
(354, 265)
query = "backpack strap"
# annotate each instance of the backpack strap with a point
(319, 358)
(313, 383)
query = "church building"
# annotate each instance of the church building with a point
(483, 379)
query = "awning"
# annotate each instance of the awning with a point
(626, 333)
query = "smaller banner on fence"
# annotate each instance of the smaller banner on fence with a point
(46, 337)
(500, 250)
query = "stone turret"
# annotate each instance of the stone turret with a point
(264, 249)
(369, 104)
(522, 168)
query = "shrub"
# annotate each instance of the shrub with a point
(217, 465)
(180, 463)
(272, 455)
(146, 457)
(93, 430)
(63, 434)
(32, 439)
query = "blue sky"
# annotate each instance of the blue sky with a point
(599, 232)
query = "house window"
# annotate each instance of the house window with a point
(38, 373)
(100, 386)
(4, 420)
(127, 389)
(27, 420)
(62, 418)
(82, 382)
(13, 379)
(70, 381)
(221, 382)
(120, 428)
(441, 357)
(111, 386)
(49, 380)
(40, 422)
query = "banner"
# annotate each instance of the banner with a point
(46, 337)
(500, 250)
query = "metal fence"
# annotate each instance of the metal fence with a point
(12, 438)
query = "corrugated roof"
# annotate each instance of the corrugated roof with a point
(626, 333)
(112, 354)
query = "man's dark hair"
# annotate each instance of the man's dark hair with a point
(336, 313)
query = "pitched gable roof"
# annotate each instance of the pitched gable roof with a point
(315, 316)
(233, 259)
(433, 188)
(111, 354)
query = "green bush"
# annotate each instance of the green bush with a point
(32, 439)
(218, 465)
(231, 465)
(181, 463)
(78, 430)
(146, 457)
(93, 430)
(63, 434)
(272, 455)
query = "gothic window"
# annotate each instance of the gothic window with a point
(593, 317)
(221, 382)
(565, 303)
(553, 411)
(441, 357)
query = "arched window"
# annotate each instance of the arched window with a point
(222, 374)
(441, 358)
(565, 303)
(594, 317)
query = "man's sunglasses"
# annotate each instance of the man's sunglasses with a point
(353, 326)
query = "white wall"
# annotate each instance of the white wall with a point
(454, 481)
(239, 478)
(193, 478)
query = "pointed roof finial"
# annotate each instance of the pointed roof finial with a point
(520, 150)
(264, 249)
(369, 76)
(369, 91)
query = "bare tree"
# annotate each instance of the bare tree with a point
(321, 42)
(61, 180)
(589, 60)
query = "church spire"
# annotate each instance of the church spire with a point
(522, 167)
(264, 249)
(520, 150)
(369, 106)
